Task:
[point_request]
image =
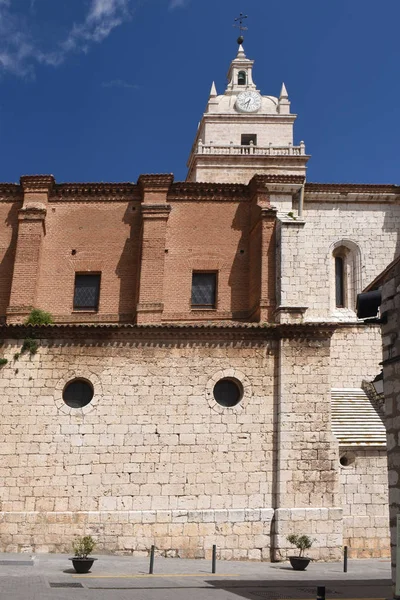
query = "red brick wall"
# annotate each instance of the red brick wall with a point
(106, 238)
(146, 242)
(207, 236)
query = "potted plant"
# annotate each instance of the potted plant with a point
(82, 547)
(302, 542)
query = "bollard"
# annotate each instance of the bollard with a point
(151, 568)
(214, 559)
(321, 592)
(345, 560)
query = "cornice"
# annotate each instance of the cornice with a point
(37, 183)
(352, 188)
(10, 192)
(103, 192)
(155, 182)
(188, 190)
(190, 332)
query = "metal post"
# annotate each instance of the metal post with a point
(214, 559)
(345, 560)
(321, 592)
(151, 569)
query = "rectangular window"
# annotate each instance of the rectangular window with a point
(247, 138)
(339, 281)
(204, 287)
(87, 291)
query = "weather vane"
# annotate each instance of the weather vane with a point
(240, 26)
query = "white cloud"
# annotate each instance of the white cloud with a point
(177, 4)
(19, 52)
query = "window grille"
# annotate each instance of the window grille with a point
(87, 291)
(204, 290)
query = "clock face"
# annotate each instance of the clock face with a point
(248, 102)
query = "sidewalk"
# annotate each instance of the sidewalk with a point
(50, 576)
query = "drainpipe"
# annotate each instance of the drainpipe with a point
(301, 199)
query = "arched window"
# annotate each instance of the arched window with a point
(346, 274)
(242, 78)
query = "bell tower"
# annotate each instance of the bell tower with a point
(243, 132)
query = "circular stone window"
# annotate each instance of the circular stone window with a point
(228, 392)
(348, 459)
(78, 393)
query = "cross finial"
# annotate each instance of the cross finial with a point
(240, 26)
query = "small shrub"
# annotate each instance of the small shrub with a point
(83, 546)
(16, 356)
(39, 317)
(302, 542)
(30, 345)
(3, 361)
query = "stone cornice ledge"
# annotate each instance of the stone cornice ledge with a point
(205, 331)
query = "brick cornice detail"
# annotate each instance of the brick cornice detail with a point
(155, 211)
(156, 182)
(208, 191)
(96, 191)
(32, 212)
(268, 212)
(8, 190)
(37, 183)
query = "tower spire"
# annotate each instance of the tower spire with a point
(283, 93)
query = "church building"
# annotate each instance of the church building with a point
(206, 379)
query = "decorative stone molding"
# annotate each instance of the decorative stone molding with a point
(108, 333)
(78, 374)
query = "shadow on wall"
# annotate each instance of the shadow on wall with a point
(128, 265)
(391, 225)
(7, 262)
(239, 276)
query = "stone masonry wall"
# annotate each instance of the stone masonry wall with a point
(356, 354)
(364, 491)
(153, 459)
(307, 262)
(308, 499)
(390, 313)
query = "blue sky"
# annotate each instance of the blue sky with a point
(103, 90)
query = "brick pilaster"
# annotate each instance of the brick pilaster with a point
(262, 251)
(155, 213)
(31, 230)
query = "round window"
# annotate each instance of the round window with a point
(228, 392)
(348, 459)
(78, 393)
